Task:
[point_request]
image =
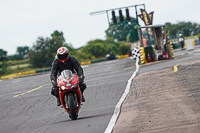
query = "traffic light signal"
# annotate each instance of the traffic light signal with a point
(121, 16)
(114, 17)
(127, 15)
(163, 34)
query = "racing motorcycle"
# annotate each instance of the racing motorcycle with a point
(70, 93)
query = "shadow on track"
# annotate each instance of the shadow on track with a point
(82, 118)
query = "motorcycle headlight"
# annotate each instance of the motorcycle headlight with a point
(63, 87)
(74, 86)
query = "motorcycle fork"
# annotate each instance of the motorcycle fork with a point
(76, 99)
(66, 99)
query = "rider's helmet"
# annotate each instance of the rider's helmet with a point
(62, 54)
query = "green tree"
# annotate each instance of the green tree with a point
(44, 50)
(72, 51)
(14, 57)
(4, 68)
(120, 31)
(3, 55)
(96, 48)
(56, 35)
(187, 28)
(124, 48)
(99, 48)
(22, 51)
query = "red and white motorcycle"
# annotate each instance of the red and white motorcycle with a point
(70, 93)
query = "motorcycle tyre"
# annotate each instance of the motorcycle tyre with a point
(72, 106)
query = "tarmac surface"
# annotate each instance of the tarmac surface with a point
(159, 100)
(163, 101)
(27, 106)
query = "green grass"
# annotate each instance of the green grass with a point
(17, 62)
(19, 66)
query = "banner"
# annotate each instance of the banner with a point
(147, 19)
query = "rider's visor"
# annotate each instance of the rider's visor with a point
(63, 56)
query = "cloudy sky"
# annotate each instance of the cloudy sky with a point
(23, 21)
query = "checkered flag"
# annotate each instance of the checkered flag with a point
(136, 53)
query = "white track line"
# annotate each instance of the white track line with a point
(118, 106)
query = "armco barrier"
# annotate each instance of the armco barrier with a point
(100, 60)
(18, 74)
(85, 63)
(197, 42)
(25, 73)
(122, 56)
(49, 69)
(39, 71)
(43, 70)
(176, 45)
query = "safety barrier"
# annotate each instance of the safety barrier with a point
(122, 56)
(176, 45)
(25, 73)
(171, 49)
(197, 42)
(49, 69)
(43, 70)
(86, 63)
(142, 55)
(18, 74)
(193, 43)
(100, 60)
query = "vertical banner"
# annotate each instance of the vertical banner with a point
(147, 19)
(150, 18)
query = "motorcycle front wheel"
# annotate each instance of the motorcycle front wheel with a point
(72, 106)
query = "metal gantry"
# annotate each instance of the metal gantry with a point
(109, 10)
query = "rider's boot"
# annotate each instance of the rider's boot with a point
(58, 101)
(83, 98)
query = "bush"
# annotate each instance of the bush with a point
(124, 48)
(5, 69)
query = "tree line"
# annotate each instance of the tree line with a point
(187, 28)
(43, 51)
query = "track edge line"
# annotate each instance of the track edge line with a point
(119, 104)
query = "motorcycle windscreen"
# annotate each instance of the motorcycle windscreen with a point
(67, 75)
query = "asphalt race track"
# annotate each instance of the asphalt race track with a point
(27, 106)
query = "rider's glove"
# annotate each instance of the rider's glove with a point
(81, 78)
(54, 83)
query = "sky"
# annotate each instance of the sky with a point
(23, 21)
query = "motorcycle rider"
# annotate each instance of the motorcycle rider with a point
(62, 62)
(181, 40)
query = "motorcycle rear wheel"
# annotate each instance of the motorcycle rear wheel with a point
(72, 106)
